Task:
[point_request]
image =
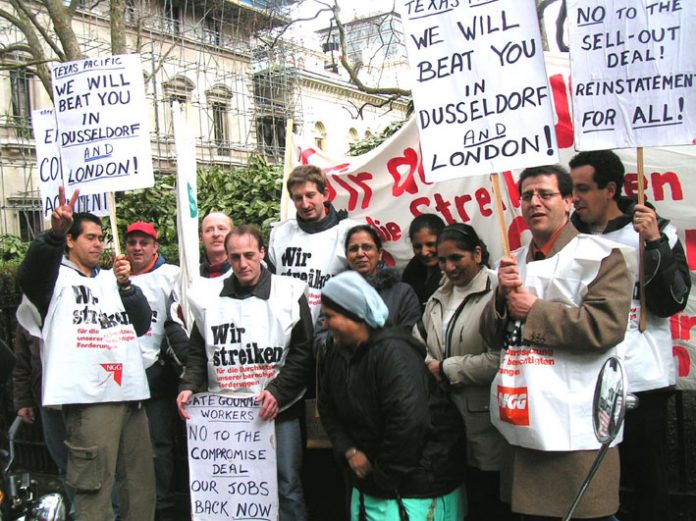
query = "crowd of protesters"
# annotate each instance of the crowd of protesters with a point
(407, 370)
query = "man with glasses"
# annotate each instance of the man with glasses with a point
(600, 208)
(560, 308)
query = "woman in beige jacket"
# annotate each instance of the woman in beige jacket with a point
(460, 359)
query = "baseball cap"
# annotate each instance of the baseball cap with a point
(142, 227)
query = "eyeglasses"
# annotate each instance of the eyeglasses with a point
(544, 195)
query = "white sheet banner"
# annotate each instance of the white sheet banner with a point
(103, 129)
(480, 91)
(634, 67)
(232, 460)
(50, 171)
(387, 188)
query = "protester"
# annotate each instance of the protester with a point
(364, 253)
(266, 310)
(400, 438)
(569, 297)
(164, 349)
(214, 228)
(463, 363)
(90, 322)
(423, 272)
(309, 247)
(598, 178)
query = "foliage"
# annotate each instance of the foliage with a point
(249, 194)
(368, 143)
(12, 249)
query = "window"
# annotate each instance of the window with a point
(219, 113)
(171, 23)
(320, 135)
(29, 223)
(129, 14)
(271, 136)
(211, 32)
(21, 102)
(180, 89)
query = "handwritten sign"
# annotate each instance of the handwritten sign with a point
(481, 94)
(103, 132)
(633, 70)
(232, 460)
(50, 171)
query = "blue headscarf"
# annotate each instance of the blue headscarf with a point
(351, 295)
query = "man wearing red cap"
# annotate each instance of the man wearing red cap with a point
(163, 347)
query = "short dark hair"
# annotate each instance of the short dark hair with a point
(565, 182)
(75, 229)
(466, 239)
(607, 168)
(306, 174)
(363, 228)
(428, 221)
(244, 229)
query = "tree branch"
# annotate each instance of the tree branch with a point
(19, 5)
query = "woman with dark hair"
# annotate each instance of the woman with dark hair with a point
(422, 272)
(364, 254)
(463, 363)
(398, 436)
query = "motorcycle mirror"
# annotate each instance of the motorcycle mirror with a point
(609, 404)
(50, 507)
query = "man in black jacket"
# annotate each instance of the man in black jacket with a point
(92, 364)
(598, 177)
(267, 331)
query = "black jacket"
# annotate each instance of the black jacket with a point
(667, 276)
(422, 279)
(380, 398)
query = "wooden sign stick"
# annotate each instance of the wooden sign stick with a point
(497, 195)
(643, 322)
(114, 227)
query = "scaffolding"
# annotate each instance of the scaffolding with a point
(223, 60)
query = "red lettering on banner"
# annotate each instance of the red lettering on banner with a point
(407, 183)
(415, 205)
(681, 353)
(658, 181)
(681, 326)
(459, 202)
(690, 247)
(389, 232)
(513, 192)
(517, 226)
(564, 126)
(513, 405)
(442, 206)
(353, 193)
(483, 198)
(116, 370)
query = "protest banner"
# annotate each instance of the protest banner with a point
(232, 459)
(633, 71)
(468, 53)
(103, 130)
(387, 188)
(50, 171)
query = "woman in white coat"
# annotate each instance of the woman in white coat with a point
(462, 362)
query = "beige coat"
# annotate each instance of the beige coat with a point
(545, 483)
(468, 364)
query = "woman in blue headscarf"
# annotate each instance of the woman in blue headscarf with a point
(401, 439)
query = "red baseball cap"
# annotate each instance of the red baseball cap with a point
(142, 227)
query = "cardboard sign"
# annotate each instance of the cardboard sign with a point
(633, 71)
(232, 460)
(103, 130)
(482, 99)
(50, 170)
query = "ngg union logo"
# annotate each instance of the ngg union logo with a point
(513, 406)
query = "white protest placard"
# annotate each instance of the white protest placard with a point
(633, 67)
(103, 129)
(232, 460)
(480, 90)
(50, 172)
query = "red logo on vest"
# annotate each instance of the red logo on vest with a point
(512, 403)
(116, 370)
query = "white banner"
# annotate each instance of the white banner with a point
(480, 90)
(103, 129)
(386, 187)
(50, 171)
(232, 460)
(634, 67)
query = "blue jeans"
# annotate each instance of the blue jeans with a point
(289, 463)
